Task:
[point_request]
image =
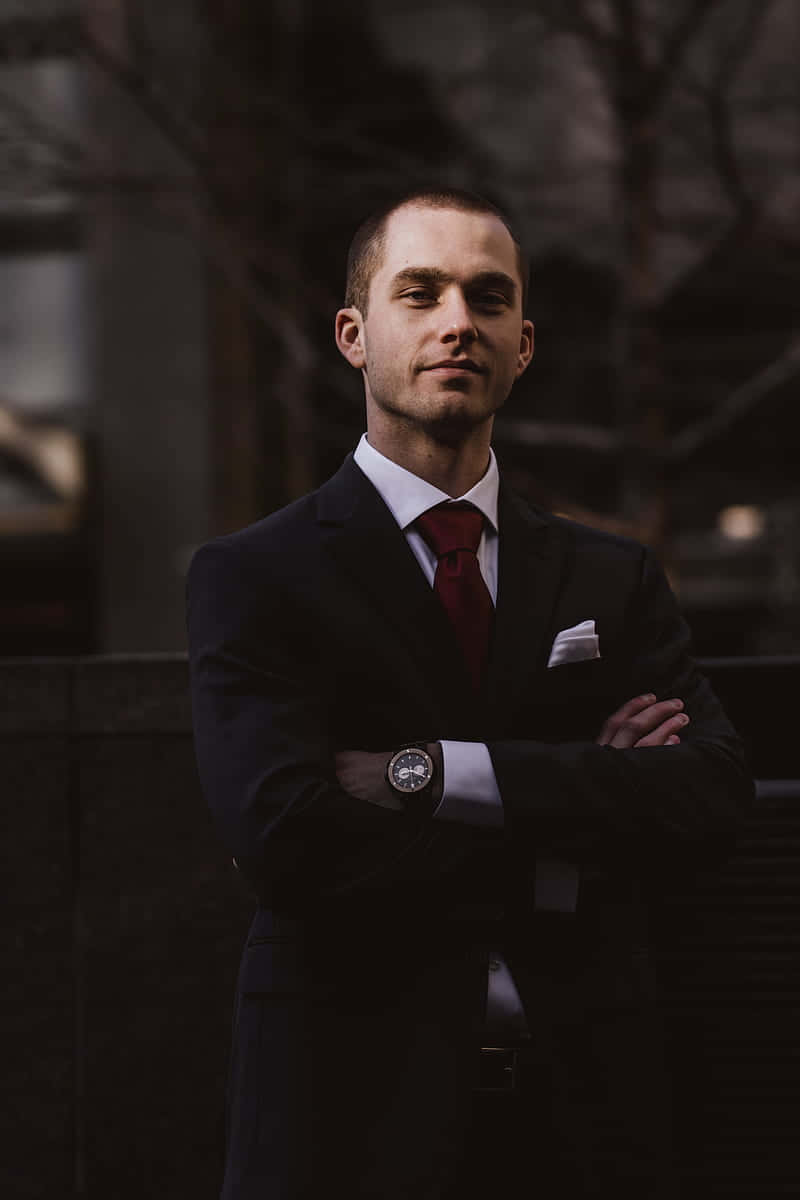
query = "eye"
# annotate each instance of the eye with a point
(492, 299)
(418, 295)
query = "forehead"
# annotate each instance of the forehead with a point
(460, 243)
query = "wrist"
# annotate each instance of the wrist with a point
(436, 753)
(414, 775)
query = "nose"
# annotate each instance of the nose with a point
(457, 322)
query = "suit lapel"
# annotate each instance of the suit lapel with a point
(531, 565)
(363, 537)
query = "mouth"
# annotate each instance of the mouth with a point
(456, 366)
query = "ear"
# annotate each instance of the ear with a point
(350, 337)
(525, 347)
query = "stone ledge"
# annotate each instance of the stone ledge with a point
(34, 696)
(136, 694)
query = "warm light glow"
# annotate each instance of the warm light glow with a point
(741, 522)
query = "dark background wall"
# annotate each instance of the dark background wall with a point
(125, 921)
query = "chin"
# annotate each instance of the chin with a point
(453, 423)
(448, 416)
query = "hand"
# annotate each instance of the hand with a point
(644, 721)
(363, 775)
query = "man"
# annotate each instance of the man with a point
(439, 730)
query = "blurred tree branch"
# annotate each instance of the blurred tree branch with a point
(686, 28)
(220, 238)
(188, 139)
(740, 401)
(600, 440)
(152, 100)
(221, 244)
(643, 58)
(716, 95)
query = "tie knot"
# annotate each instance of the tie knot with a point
(449, 527)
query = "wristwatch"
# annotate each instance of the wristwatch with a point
(410, 771)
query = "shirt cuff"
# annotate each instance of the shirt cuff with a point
(470, 793)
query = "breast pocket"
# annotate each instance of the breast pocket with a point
(572, 701)
(587, 672)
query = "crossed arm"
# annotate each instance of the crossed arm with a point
(641, 722)
(293, 812)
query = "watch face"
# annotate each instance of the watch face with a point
(410, 770)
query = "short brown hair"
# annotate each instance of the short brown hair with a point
(366, 249)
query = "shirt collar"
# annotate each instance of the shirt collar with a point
(408, 497)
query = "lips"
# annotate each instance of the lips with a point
(455, 364)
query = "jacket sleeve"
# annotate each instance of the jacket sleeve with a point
(576, 798)
(263, 744)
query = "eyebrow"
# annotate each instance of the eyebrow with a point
(436, 276)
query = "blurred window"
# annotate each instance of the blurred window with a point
(45, 561)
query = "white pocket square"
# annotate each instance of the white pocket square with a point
(574, 645)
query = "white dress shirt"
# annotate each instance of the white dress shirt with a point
(470, 793)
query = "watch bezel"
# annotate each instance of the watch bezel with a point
(410, 791)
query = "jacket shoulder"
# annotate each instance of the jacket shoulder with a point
(286, 533)
(289, 531)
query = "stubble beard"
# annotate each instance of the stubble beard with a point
(447, 424)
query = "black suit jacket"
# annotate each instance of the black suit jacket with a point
(315, 630)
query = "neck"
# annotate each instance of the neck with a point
(453, 468)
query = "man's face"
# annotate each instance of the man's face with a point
(444, 337)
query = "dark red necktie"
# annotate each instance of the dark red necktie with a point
(453, 532)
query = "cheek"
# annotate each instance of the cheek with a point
(389, 356)
(505, 366)
(511, 359)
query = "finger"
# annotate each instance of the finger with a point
(643, 723)
(668, 729)
(623, 714)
